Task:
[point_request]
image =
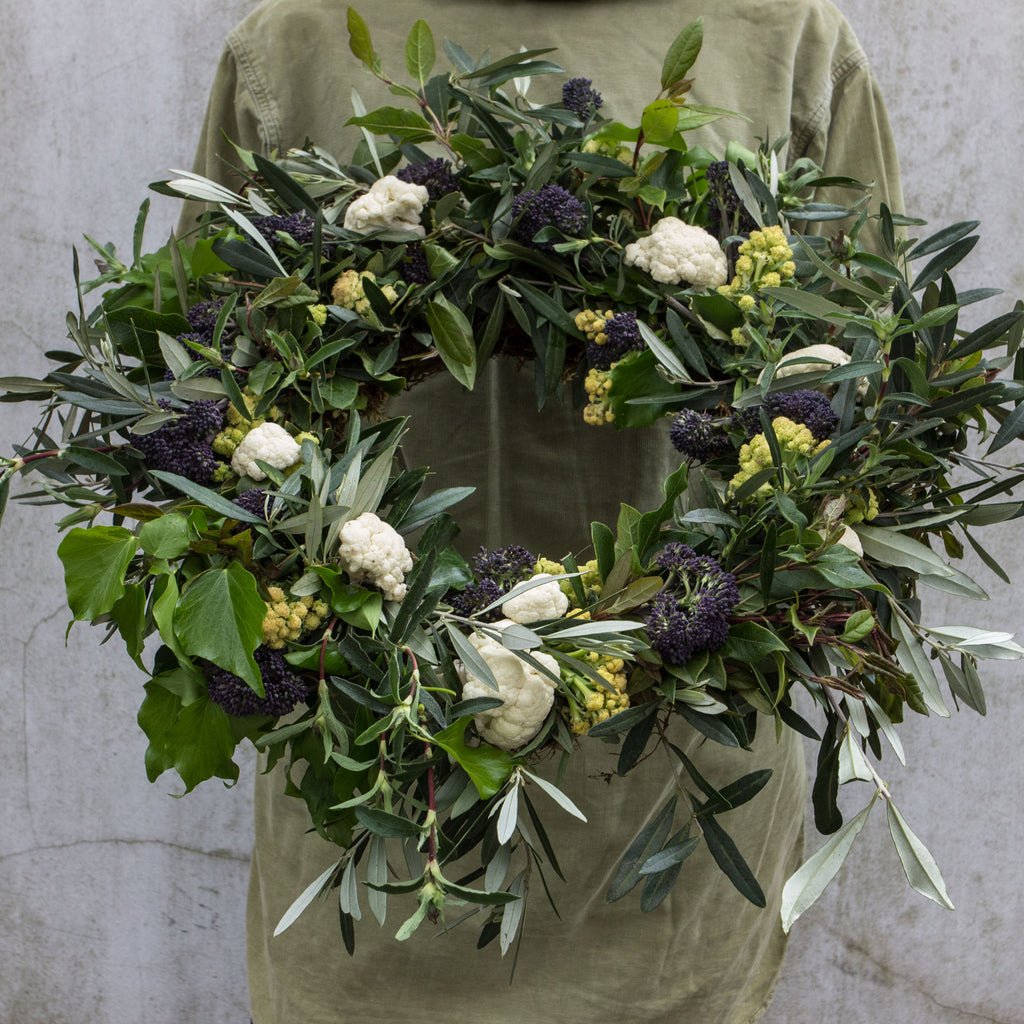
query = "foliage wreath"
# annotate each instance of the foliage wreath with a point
(225, 404)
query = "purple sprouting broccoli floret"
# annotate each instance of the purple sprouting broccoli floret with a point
(550, 206)
(298, 225)
(725, 202)
(622, 334)
(414, 266)
(202, 318)
(183, 446)
(508, 565)
(434, 175)
(283, 688)
(698, 436)
(254, 501)
(811, 408)
(690, 614)
(497, 572)
(578, 97)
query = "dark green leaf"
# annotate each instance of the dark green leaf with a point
(95, 561)
(647, 842)
(682, 53)
(728, 858)
(391, 826)
(220, 617)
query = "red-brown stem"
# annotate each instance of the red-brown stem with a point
(323, 645)
(26, 459)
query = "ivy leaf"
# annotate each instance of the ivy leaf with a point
(220, 617)
(95, 561)
(166, 537)
(487, 767)
(196, 740)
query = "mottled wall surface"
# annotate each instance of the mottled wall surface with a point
(119, 903)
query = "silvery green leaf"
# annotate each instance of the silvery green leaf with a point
(884, 723)
(197, 389)
(893, 548)
(922, 871)
(700, 701)
(954, 582)
(175, 354)
(857, 715)
(498, 868)
(507, 811)
(911, 655)
(513, 912)
(557, 795)
(377, 874)
(359, 110)
(471, 657)
(308, 895)
(519, 638)
(348, 892)
(469, 797)
(809, 881)
(306, 585)
(373, 483)
(663, 353)
(982, 643)
(600, 628)
(852, 762)
(194, 186)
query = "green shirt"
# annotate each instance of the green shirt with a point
(706, 955)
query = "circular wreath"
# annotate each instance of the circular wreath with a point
(226, 406)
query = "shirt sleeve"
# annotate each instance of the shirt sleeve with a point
(849, 134)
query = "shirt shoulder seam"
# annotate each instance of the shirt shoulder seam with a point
(266, 107)
(842, 70)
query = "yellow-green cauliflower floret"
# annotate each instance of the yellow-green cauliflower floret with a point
(593, 323)
(348, 291)
(591, 578)
(795, 442)
(288, 620)
(765, 260)
(589, 701)
(598, 409)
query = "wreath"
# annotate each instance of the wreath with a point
(225, 405)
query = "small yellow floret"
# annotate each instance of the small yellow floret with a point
(318, 314)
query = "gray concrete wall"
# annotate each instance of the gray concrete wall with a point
(119, 903)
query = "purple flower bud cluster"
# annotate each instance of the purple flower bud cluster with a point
(434, 175)
(298, 225)
(202, 318)
(690, 614)
(254, 501)
(811, 408)
(623, 336)
(283, 688)
(698, 436)
(578, 97)
(550, 206)
(725, 201)
(497, 572)
(414, 266)
(182, 446)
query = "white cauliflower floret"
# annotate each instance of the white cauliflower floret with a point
(391, 204)
(545, 601)
(822, 358)
(373, 551)
(528, 693)
(676, 251)
(270, 443)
